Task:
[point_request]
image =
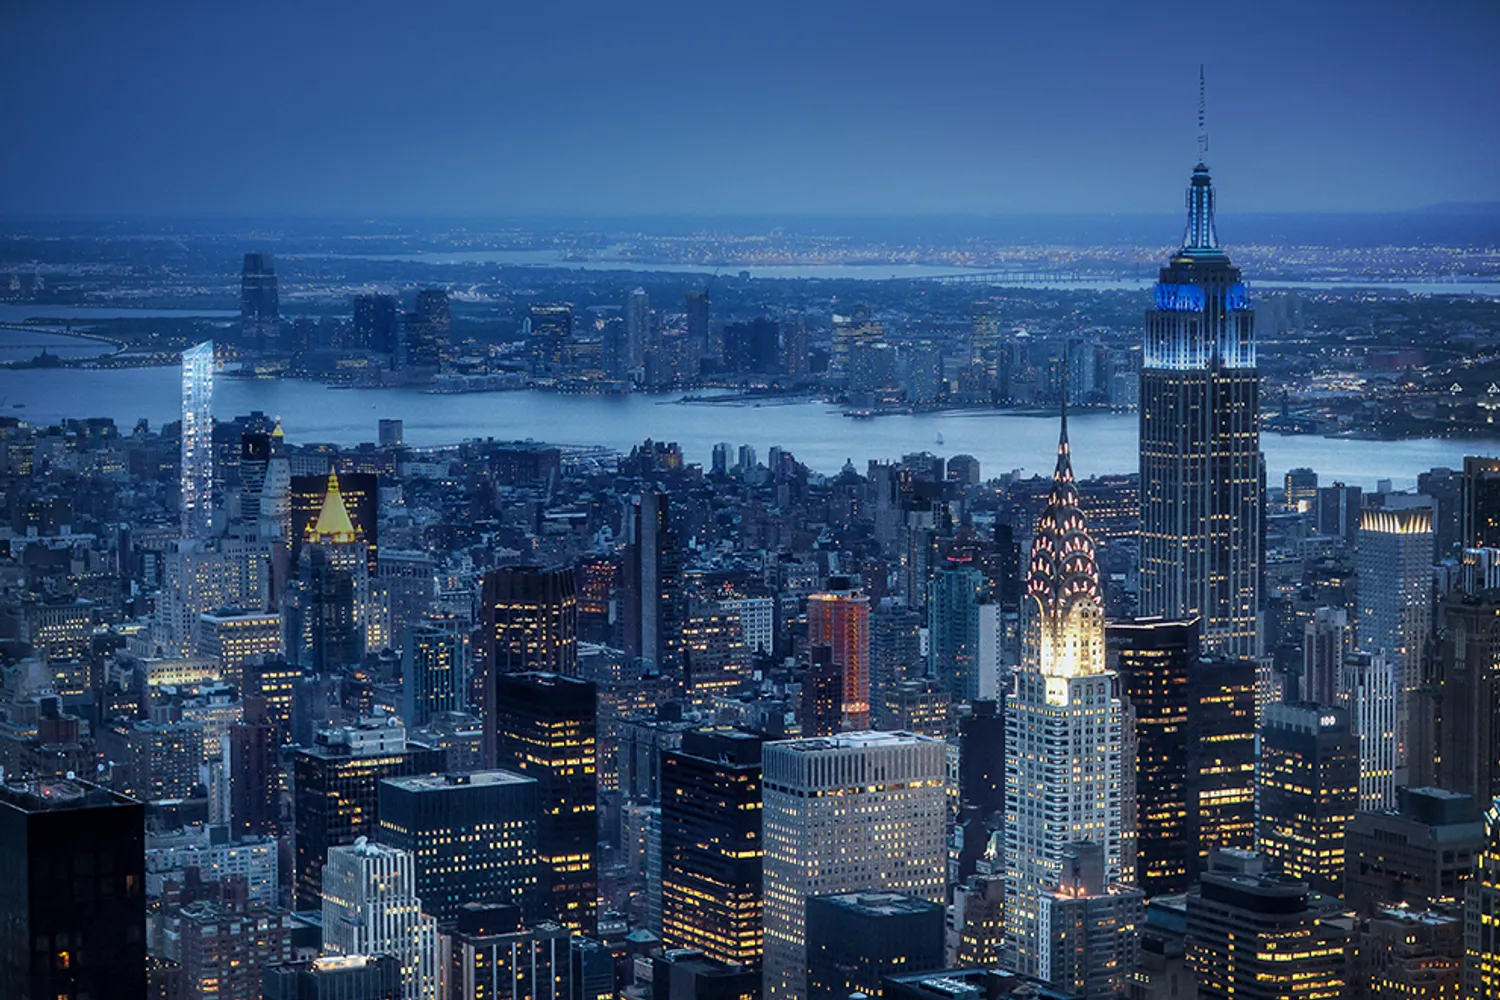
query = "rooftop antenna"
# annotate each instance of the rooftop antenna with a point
(1202, 118)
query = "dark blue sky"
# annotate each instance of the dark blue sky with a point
(495, 106)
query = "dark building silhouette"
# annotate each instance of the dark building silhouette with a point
(528, 623)
(545, 727)
(1154, 658)
(472, 837)
(1456, 712)
(1481, 502)
(336, 794)
(336, 977)
(697, 306)
(551, 341)
(653, 598)
(688, 974)
(1422, 851)
(1220, 757)
(753, 347)
(260, 304)
(822, 708)
(855, 940)
(254, 795)
(429, 327)
(981, 761)
(1307, 791)
(377, 324)
(711, 846)
(72, 891)
(494, 955)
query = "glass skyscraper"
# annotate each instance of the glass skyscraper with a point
(197, 440)
(1202, 478)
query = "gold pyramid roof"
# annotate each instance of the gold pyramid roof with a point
(333, 523)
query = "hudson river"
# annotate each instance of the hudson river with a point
(816, 433)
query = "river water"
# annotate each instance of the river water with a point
(816, 433)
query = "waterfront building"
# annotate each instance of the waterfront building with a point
(260, 303)
(429, 327)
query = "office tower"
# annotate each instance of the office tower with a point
(1327, 639)
(1154, 659)
(697, 304)
(1263, 937)
(711, 846)
(73, 895)
(1456, 714)
(849, 813)
(753, 347)
(981, 767)
(1414, 953)
(796, 359)
(1482, 915)
(377, 324)
(260, 305)
(528, 624)
(653, 578)
(1481, 502)
(1393, 568)
(233, 638)
(434, 678)
(429, 327)
(328, 608)
(953, 641)
(472, 837)
(1338, 511)
(335, 787)
(839, 618)
(391, 433)
(1369, 691)
(255, 461)
(225, 943)
(637, 327)
(254, 786)
(1301, 489)
(1308, 790)
(715, 660)
(857, 327)
(1090, 928)
(370, 907)
(551, 340)
(1064, 722)
(1221, 758)
(493, 955)
(196, 492)
(341, 977)
(917, 706)
(821, 712)
(204, 576)
(855, 940)
(1202, 481)
(688, 974)
(1421, 852)
(360, 493)
(544, 728)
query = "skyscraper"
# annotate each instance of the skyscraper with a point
(855, 940)
(197, 489)
(528, 624)
(434, 674)
(1456, 715)
(370, 907)
(848, 813)
(1308, 791)
(473, 837)
(712, 847)
(377, 324)
(1064, 727)
(1481, 502)
(1370, 692)
(1482, 915)
(1202, 480)
(328, 607)
(1091, 927)
(697, 305)
(545, 728)
(1393, 569)
(839, 618)
(551, 338)
(260, 305)
(953, 644)
(1221, 748)
(428, 328)
(653, 577)
(637, 327)
(1154, 659)
(73, 891)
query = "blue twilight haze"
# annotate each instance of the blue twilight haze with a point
(382, 108)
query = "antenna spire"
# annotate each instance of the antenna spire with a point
(1202, 117)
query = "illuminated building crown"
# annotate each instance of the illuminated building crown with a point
(333, 523)
(1062, 586)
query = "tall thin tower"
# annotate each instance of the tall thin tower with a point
(197, 440)
(1064, 725)
(1202, 477)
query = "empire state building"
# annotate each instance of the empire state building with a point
(1202, 477)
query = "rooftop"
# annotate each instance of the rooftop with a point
(471, 779)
